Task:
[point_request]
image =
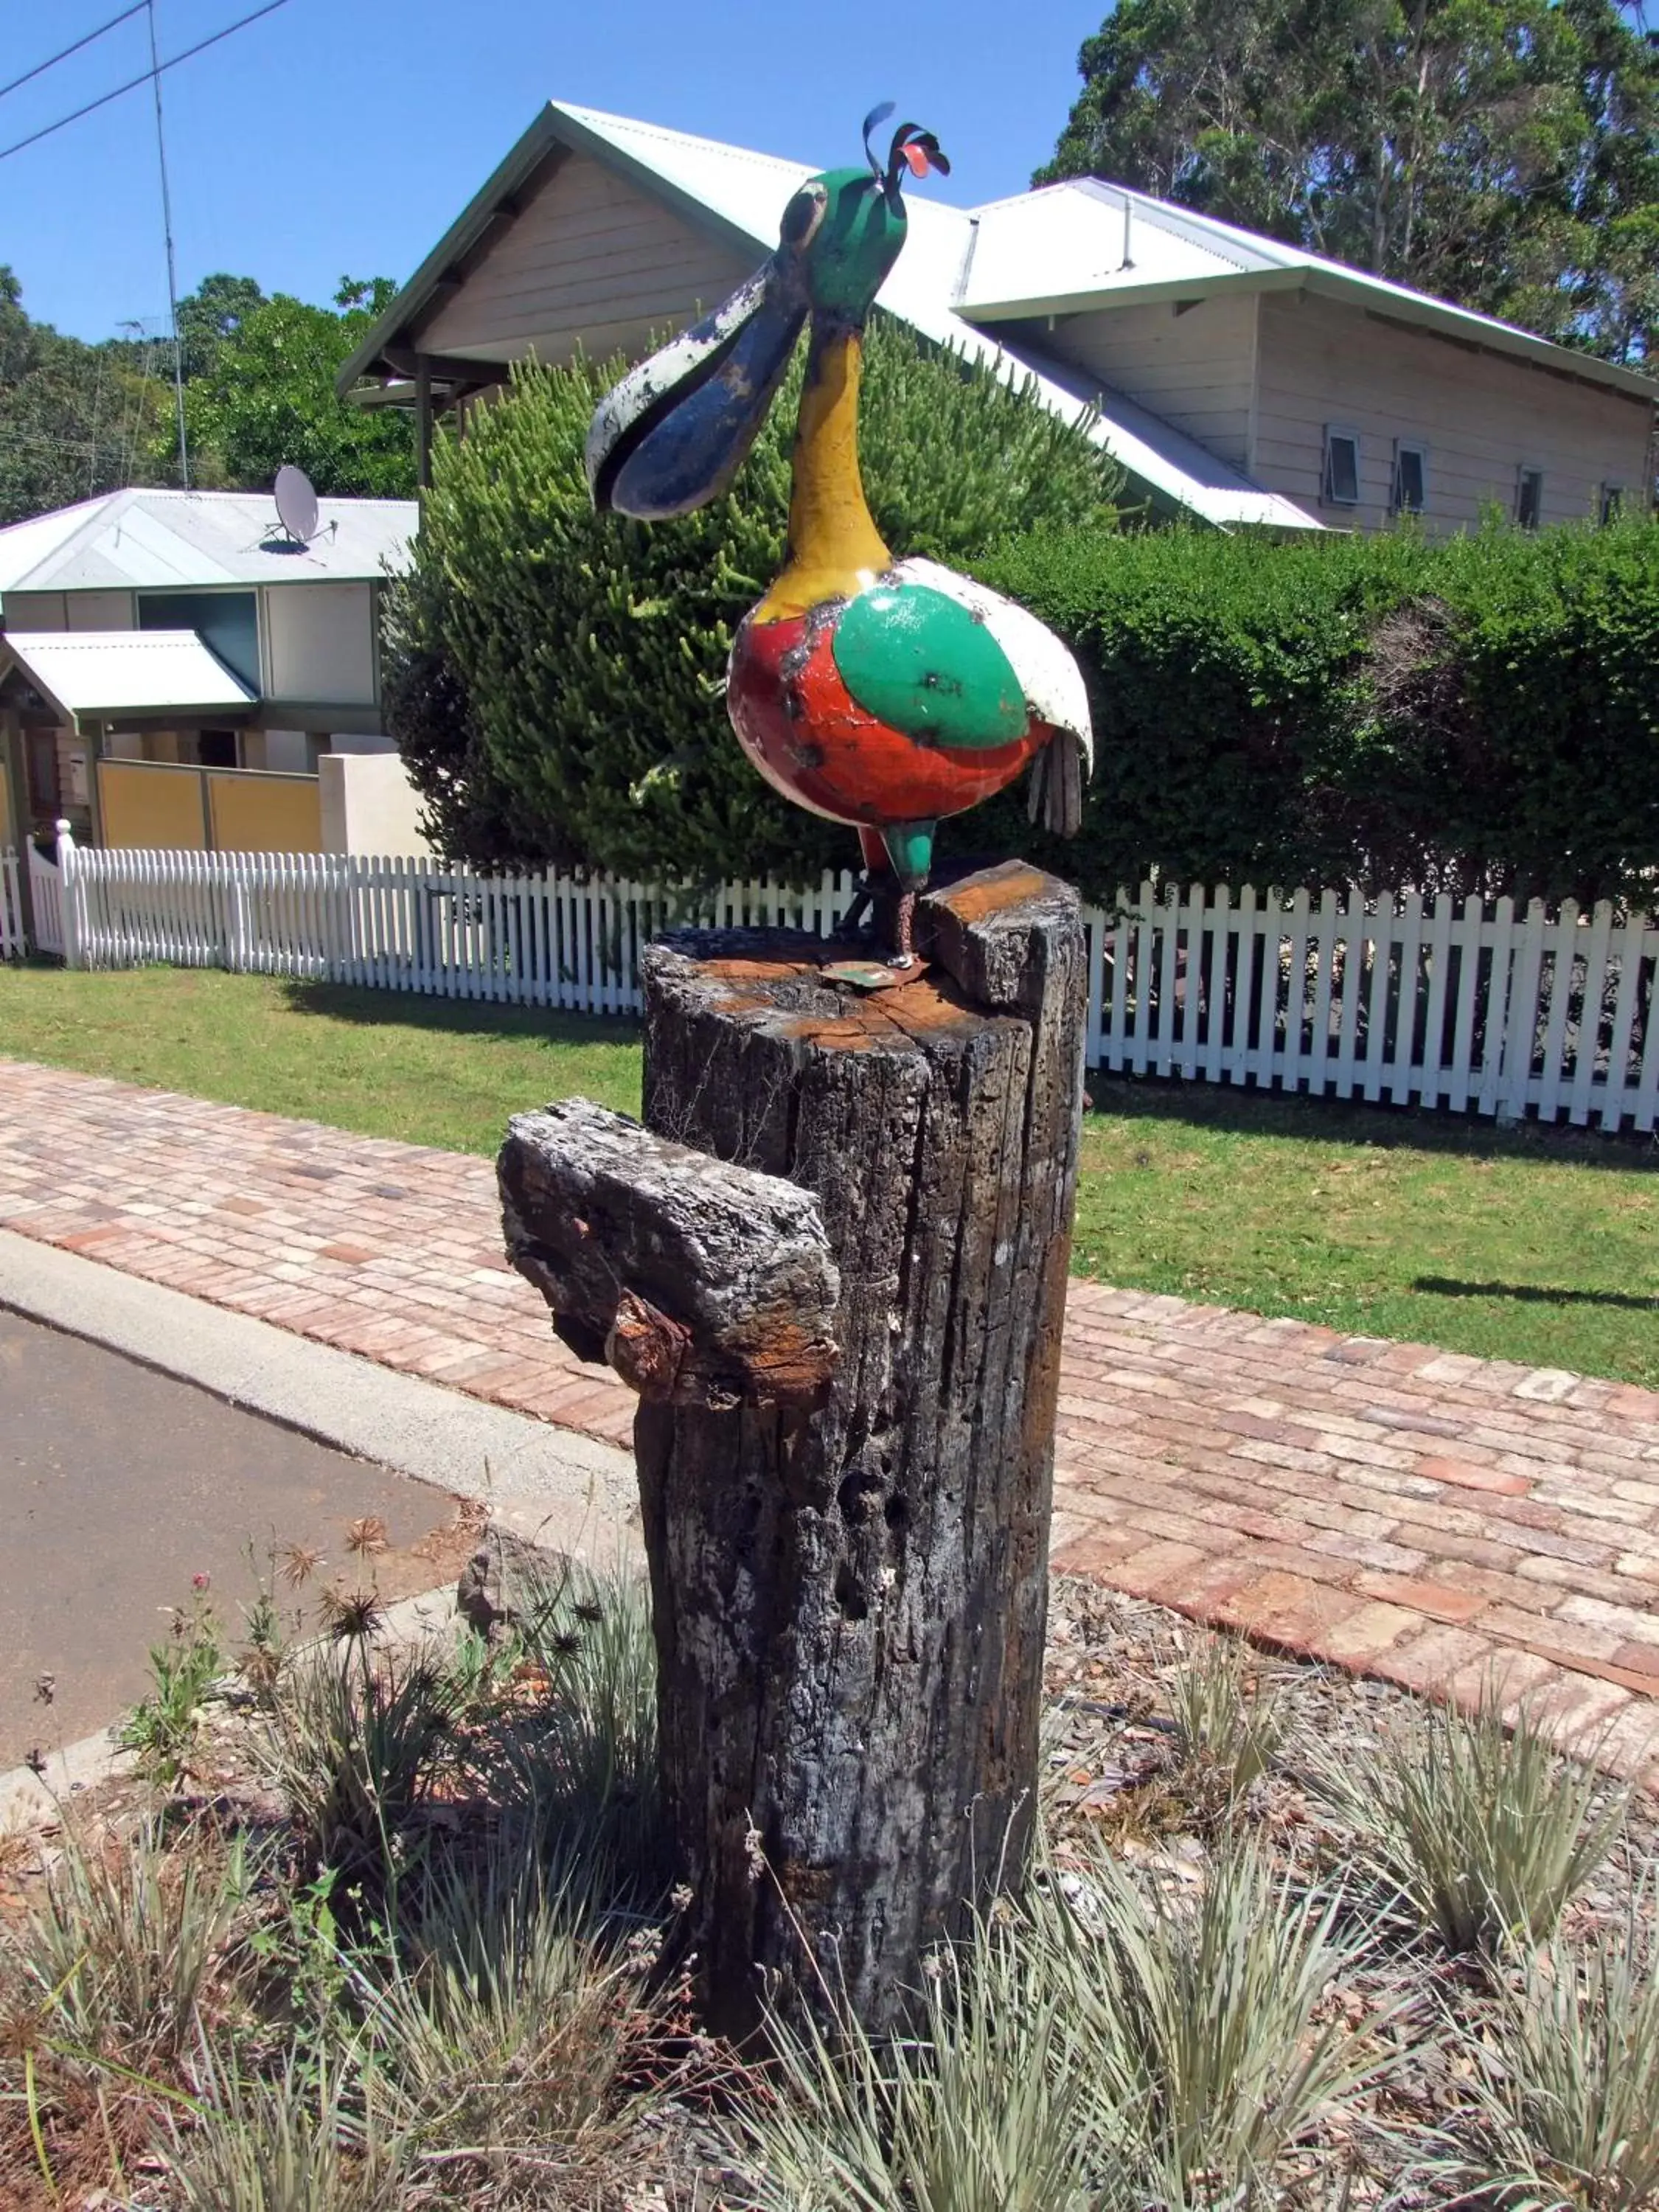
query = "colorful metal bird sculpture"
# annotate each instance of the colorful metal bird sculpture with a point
(883, 694)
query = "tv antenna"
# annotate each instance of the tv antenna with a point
(296, 503)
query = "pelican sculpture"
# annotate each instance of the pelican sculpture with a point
(883, 694)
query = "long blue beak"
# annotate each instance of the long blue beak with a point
(673, 434)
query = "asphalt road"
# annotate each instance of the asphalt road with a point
(119, 1484)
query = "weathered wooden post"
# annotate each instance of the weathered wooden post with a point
(847, 1343)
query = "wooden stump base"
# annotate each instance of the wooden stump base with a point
(850, 1585)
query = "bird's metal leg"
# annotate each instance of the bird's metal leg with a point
(903, 955)
(847, 925)
(908, 846)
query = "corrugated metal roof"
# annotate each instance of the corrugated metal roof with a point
(1061, 251)
(747, 193)
(125, 671)
(189, 541)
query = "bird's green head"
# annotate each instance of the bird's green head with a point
(845, 229)
(672, 434)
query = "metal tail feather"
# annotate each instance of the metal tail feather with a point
(1055, 797)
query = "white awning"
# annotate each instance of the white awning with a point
(113, 672)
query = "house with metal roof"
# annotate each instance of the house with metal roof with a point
(1238, 382)
(188, 631)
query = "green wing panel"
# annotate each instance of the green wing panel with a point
(920, 662)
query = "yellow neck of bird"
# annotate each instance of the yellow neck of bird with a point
(834, 548)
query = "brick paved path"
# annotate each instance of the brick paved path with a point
(1414, 1514)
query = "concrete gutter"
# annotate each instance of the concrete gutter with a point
(552, 1486)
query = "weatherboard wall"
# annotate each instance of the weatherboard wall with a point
(1482, 416)
(67, 611)
(319, 643)
(591, 261)
(1191, 363)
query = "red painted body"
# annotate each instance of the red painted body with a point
(810, 740)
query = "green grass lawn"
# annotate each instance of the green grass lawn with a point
(1536, 1244)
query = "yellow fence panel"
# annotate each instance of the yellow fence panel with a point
(152, 808)
(252, 812)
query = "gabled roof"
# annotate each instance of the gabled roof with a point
(1056, 252)
(1071, 247)
(737, 195)
(187, 541)
(125, 671)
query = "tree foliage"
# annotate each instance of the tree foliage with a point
(211, 318)
(1503, 153)
(264, 394)
(75, 419)
(554, 676)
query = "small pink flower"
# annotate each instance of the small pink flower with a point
(200, 1582)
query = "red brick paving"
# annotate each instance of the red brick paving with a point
(1414, 1514)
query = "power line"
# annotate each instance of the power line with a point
(133, 84)
(40, 67)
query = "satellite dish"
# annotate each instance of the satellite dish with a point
(296, 503)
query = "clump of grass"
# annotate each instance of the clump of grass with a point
(354, 1742)
(1114, 2051)
(1206, 2016)
(576, 1762)
(1569, 2096)
(1229, 1718)
(114, 1960)
(1483, 1832)
(498, 2051)
(987, 2106)
(287, 2143)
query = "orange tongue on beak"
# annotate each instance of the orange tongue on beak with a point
(917, 157)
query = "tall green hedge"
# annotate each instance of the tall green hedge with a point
(1477, 713)
(553, 677)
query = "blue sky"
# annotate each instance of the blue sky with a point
(344, 136)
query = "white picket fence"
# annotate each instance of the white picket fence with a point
(46, 901)
(14, 938)
(1470, 1008)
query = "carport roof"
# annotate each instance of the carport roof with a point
(124, 671)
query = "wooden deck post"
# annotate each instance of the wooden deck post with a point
(848, 1572)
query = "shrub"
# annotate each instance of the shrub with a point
(554, 676)
(1474, 715)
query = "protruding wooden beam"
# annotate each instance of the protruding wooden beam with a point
(702, 1284)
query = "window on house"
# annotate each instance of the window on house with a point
(216, 748)
(1529, 498)
(1341, 478)
(1612, 503)
(1410, 477)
